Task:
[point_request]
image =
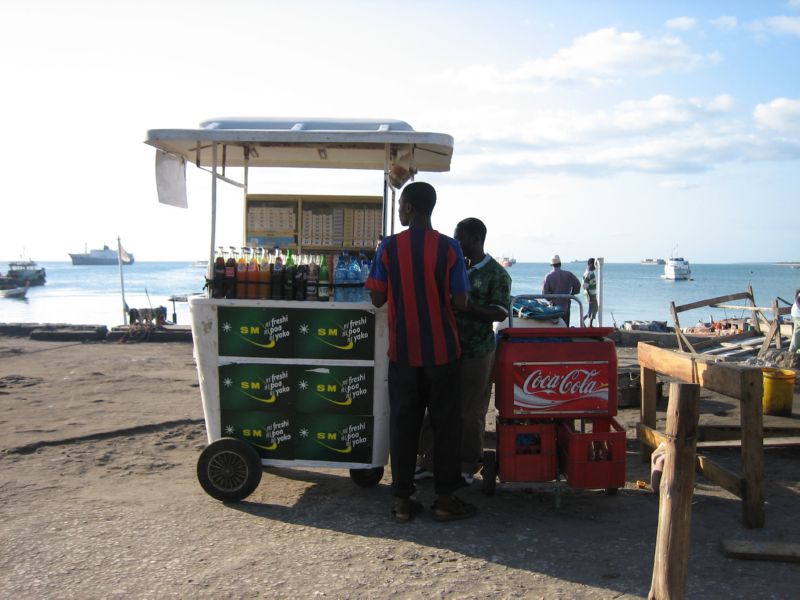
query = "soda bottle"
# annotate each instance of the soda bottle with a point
(312, 281)
(288, 276)
(300, 280)
(241, 276)
(277, 276)
(324, 287)
(230, 276)
(218, 282)
(264, 276)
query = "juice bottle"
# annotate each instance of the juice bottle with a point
(300, 279)
(264, 276)
(230, 276)
(324, 286)
(252, 276)
(241, 276)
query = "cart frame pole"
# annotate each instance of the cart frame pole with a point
(600, 291)
(213, 214)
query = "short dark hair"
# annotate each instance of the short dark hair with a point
(421, 196)
(473, 226)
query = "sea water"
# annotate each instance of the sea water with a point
(91, 294)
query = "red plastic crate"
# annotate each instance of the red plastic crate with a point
(527, 452)
(592, 453)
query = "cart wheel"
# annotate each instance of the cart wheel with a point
(489, 472)
(229, 469)
(366, 477)
(612, 491)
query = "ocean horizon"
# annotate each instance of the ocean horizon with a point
(631, 291)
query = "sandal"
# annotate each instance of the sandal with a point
(451, 508)
(404, 509)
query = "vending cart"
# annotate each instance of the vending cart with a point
(290, 378)
(556, 397)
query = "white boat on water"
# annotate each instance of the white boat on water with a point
(10, 288)
(677, 268)
(506, 261)
(652, 261)
(106, 256)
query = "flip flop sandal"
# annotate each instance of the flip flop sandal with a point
(455, 509)
(404, 509)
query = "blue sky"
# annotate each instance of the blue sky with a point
(615, 129)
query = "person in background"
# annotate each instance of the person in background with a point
(558, 281)
(422, 275)
(488, 302)
(794, 347)
(590, 287)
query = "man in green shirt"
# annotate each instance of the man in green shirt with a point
(488, 302)
(590, 287)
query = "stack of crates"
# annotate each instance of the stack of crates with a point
(556, 396)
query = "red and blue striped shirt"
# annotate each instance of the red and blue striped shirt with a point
(420, 270)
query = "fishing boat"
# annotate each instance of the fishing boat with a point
(677, 268)
(652, 261)
(11, 288)
(26, 272)
(506, 261)
(106, 256)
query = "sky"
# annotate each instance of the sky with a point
(624, 129)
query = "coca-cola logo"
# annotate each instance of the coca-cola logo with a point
(547, 385)
(576, 382)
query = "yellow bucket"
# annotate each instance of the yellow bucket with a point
(778, 392)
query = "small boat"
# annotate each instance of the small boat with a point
(10, 288)
(677, 269)
(200, 264)
(652, 261)
(26, 272)
(506, 261)
(106, 256)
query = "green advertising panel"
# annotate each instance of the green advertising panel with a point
(270, 433)
(251, 331)
(296, 332)
(334, 389)
(257, 387)
(334, 438)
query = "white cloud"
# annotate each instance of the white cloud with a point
(726, 23)
(599, 57)
(793, 3)
(781, 115)
(781, 25)
(681, 23)
(677, 184)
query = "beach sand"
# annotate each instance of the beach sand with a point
(99, 499)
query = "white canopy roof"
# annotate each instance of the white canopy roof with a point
(312, 143)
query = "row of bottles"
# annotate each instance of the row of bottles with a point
(257, 274)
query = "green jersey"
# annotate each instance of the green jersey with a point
(491, 286)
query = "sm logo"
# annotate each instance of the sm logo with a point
(329, 387)
(322, 436)
(250, 385)
(252, 330)
(328, 332)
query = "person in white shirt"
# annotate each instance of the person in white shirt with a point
(794, 347)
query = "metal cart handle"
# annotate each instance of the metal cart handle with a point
(546, 297)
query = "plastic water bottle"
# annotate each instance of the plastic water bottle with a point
(354, 280)
(339, 279)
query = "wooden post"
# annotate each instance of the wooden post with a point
(671, 561)
(752, 422)
(647, 416)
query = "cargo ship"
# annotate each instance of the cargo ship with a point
(106, 256)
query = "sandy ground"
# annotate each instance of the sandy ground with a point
(99, 499)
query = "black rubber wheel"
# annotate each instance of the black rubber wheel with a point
(367, 477)
(229, 469)
(489, 472)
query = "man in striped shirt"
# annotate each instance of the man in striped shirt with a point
(421, 274)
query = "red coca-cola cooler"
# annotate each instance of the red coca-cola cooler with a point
(545, 378)
(555, 372)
